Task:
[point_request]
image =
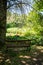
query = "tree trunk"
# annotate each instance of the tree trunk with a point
(2, 22)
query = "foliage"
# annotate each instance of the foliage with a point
(27, 26)
(38, 5)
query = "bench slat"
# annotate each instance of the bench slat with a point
(17, 43)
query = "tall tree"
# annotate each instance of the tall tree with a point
(2, 22)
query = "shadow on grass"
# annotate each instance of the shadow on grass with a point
(34, 57)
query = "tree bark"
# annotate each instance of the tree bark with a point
(2, 22)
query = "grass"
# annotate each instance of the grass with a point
(34, 57)
(20, 33)
(14, 32)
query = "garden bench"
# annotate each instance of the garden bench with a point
(18, 44)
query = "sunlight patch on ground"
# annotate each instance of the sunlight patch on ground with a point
(39, 47)
(8, 60)
(10, 34)
(19, 31)
(16, 31)
(34, 59)
(23, 62)
(41, 50)
(27, 57)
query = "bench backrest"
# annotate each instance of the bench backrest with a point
(18, 43)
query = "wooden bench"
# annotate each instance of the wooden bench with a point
(18, 44)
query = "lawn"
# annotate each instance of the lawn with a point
(34, 57)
